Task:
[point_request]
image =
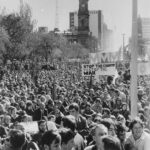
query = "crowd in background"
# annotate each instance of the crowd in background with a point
(85, 114)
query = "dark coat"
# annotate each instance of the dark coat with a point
(39, 114)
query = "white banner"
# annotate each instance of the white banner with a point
(107, 69)
(104, 57)
(30, 127)
(98, 69)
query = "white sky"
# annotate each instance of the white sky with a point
(117, 13)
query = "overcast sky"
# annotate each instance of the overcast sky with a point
(117, 13)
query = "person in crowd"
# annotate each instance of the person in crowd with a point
(67, 138)
(38, 136)
(58, 115)
(125, 111)
(106, 113)
(97, 106)
(50, 106)
(110, 126)
(121, 120)
(139, 139)
(70, 123)
(51, 140)
(118, 104)
(14, 116)
(88, 110)
(83, 103)
(60, 106)
(147, 116)
(2, 109)
(90, 121)
(40, 112)
(97, 132)
(29, 108)
(16, 140)
(3, 131)
(81, 123)
(6, 121)
(110, 143)
(121, 134)
(107, 102)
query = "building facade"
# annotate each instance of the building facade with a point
(144, 36)
(83, 22)
(108, 38)
(95, 24)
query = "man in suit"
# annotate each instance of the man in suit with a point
(81, 122)
(40, 113)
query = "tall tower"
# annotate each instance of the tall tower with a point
(83, 21)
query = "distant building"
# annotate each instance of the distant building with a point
(83, 23)
(145, 24)
(95, 24)
(43, 29)
(108, 38)
(144, 36)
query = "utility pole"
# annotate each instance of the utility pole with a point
(134, 54)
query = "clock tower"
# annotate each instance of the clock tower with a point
(83, 21)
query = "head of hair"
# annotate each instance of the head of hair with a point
(41, 121)
(135, 121)
(107, 110)
(120, 117)
(120, 73)
(66, 135)
(74, 106)
(69, 122)
(142, 111)
(98, 100)
(93, 130)
(146, 108)
(17, 138)
(108, 122)
(49, 137)
(120, 128)
(109, 79)
(11, 108)
(29, 103)
(2, 108)
(51, 116)
(111, 143)
(88, 104)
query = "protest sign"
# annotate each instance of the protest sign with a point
(98, 69)
(88, 69)
(30, 127)
(106, 69)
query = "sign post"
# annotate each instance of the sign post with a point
(134, 53)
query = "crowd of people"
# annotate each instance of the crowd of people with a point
(83, 115)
